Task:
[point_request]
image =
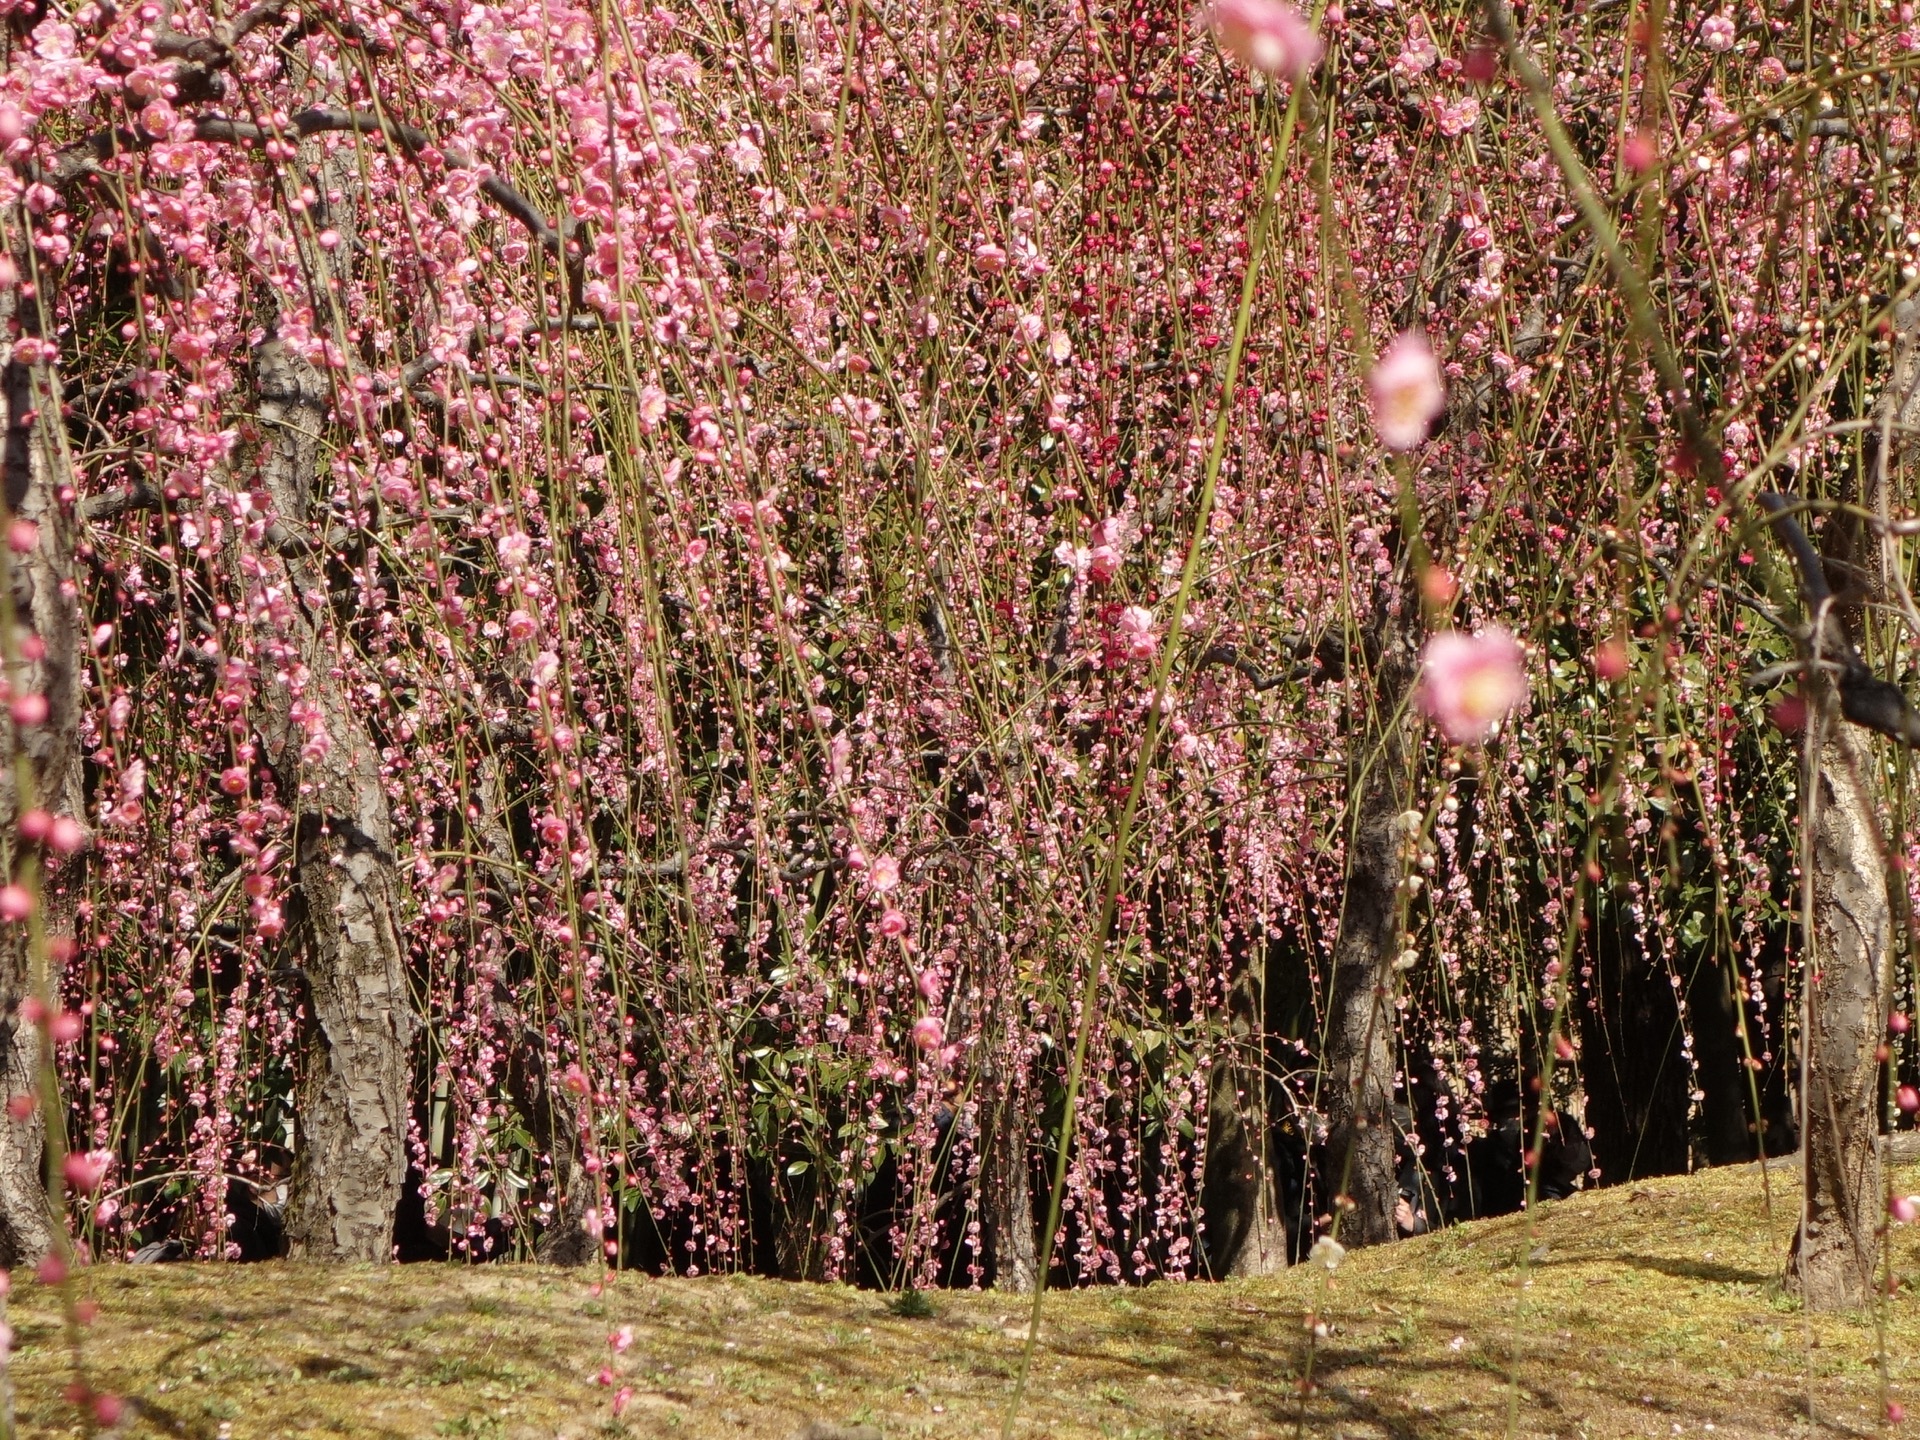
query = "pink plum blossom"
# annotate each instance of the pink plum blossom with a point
(1408, 392)
(84, 1170)
(1266, 35)
(1471, 682)
(1135, 626)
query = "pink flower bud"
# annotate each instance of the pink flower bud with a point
(1907, 1098)
(12, 123)
(1898, 1022)
(16, 903)
(51, 1271)
(20, 1107)
(1903, 1209)
(64, 1028)
(30, 709)
(67, 835)
(22, 536)
(34, 826)
(108, 1409)
(1610, 660)
(893, 924)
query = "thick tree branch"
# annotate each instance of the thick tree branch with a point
(1865, 698)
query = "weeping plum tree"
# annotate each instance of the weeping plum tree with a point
(619, 557)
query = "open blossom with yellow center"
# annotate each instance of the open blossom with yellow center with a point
(1472, 682)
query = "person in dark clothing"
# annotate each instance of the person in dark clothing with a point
(1497, 1161)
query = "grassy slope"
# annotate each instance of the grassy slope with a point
(1650, 1311)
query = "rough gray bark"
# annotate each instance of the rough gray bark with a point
(1837, 1248)
(1358, 1094)
(1007, 1195)
(350, 1103)
(1246, 1233)
(43, 604)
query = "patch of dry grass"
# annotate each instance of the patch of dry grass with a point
(1652, 1311)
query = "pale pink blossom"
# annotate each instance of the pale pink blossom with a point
(1408, 392)
(929, 1033)
(1267, 35)
(1456, 117)
(1471, 682)
(883, 874)
(1136, 632)
(1717, 33)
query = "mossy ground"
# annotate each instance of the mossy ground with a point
(1645, 1310)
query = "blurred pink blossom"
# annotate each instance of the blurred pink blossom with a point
(1267, 35)
(1408, 392)
(1471, 682)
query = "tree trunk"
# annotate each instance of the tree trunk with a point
(1837, 1248)
(1239, 1200)
(1007, 1194)
(43, 605)
(350, 1101)
(1359, 1072)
